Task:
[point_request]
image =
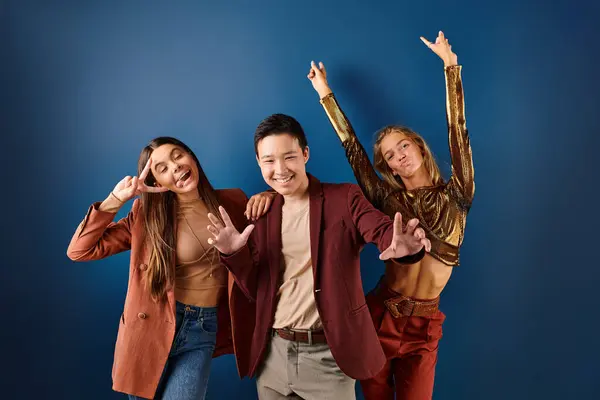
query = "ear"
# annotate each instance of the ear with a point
(306, 154)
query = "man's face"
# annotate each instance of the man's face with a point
(283, 163)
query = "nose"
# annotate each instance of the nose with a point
(280, 167)
(176, 167)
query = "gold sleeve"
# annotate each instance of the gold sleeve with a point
(368, 180)
(462, 181)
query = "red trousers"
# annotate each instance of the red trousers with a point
(410, 344)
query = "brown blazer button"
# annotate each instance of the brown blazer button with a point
(143, 267)
(142, 315)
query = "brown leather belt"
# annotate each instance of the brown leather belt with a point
(310, 337)
(402, 305)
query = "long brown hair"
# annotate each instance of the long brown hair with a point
(428, 160)
(159, 213)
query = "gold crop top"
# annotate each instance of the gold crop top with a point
(442, 209)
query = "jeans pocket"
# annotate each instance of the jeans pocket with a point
(209, 324)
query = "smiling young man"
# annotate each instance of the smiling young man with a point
(313, 333)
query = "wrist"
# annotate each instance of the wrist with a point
(229, 253)
(324, 92)
(117, 198)
(111, 204)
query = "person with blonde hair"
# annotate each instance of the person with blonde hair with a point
(405, 304)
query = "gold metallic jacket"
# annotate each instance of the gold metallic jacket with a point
(442, 209)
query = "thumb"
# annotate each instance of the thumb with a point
(386, 255)
(246, 233)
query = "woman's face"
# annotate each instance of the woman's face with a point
(401, 154)
(175, 169)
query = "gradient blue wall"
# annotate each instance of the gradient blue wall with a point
(85, 84)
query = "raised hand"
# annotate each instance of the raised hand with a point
(443, 49)
(406, 242)
(129, 187)
(258, 205)
(225, 237)
(318, 77)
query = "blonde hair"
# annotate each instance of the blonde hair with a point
(428, 160)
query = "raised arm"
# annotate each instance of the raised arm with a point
(462, 180)
(98, 236)
(373, 187)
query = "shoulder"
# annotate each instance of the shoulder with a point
(452, 194)
(136, 208)
(341, 189)
(233, 196)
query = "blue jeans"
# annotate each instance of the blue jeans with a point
(186, 372)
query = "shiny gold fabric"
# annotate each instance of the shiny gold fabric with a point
(442, 209)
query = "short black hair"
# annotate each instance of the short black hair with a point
(276, 124)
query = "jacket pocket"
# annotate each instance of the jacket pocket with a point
(358, 309)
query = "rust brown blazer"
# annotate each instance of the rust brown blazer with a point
(147, 328)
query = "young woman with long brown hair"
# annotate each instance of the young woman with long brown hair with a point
(176, 315)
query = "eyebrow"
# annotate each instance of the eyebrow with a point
(397, 143)
(285, 154)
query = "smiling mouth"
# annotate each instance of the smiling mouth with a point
(184, 177)
(283, 180)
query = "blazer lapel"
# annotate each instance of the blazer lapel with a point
(273, 242)
(316, 216)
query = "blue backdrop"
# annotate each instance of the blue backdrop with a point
(85, 84)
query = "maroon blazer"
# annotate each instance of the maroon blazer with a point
(146, 327)
(342, 220)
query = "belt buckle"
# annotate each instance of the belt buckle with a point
(310, 339)
(399, 308)
(392, 307)
(410, 309)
